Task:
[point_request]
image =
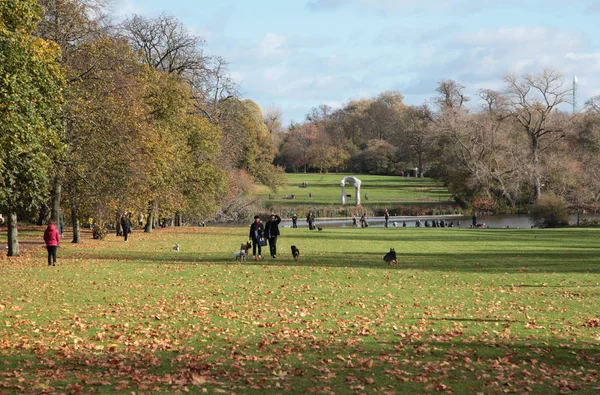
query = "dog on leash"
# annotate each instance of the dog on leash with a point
(390, 257)
(176, 248)
(242, 254)
(295, 253)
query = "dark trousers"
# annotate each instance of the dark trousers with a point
(254, 245)
(273, 245)
(125, 232)
(51, 255)
(294, 224)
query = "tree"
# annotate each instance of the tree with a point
(273, 118)
(417, 134)
(165, 44)
(533, 102)
(450, 95)
(593, 104)
(30, 88)
(247, 142)
(296, 151)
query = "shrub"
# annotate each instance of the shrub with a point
(99, 232)
(551, 211)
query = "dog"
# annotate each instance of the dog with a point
(390, 257)
(242, 254)
(295, 253)
(176, 248)
(319, 228)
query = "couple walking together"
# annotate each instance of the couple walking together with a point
(269, 231)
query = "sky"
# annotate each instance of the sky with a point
(298, 54)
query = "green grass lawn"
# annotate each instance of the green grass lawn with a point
(325, 189)
(465, 311)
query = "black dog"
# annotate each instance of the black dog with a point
(295, 253)
(390, 257)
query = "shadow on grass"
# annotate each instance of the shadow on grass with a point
(479, 262)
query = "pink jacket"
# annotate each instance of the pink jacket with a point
(51, 236)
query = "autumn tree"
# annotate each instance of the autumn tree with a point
(70, 24)
(165, 44)
(297, 151)
(247, 142)
(30, 88)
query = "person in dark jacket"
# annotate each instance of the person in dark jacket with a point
(51, 238)
(126, 226)
(294, 221)
(386, 216)
(256, 234)
(271, 233)
(310, 219)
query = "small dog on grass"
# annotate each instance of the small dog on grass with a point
(319, 228)
(242, 254)
(390, 257)
(295, 253)
(176, 248)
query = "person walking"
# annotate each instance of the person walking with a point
(474, 221)
(126, 226)
(256, 235)
(386, 215)
(51, 238)
(354, 224)
(271, 233)
(363, 221)
(294, 221)
(310, 220)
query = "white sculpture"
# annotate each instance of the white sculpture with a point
(353, 181)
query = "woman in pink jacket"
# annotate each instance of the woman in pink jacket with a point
(52, 238)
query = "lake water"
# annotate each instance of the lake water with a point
(491, 221)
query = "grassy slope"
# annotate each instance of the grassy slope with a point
(465, 310)
(325, 189)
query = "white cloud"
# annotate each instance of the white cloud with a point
(271, 45)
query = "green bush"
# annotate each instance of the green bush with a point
(551, 211)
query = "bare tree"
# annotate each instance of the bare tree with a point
(272, 117)
(450, 95)
(416, 133)
(213, 86)
(593, 104)
(533, 102)
(165, 44)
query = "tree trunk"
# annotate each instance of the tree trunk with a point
(13, 235)
(537, 183)
(118, 226)
(43, 215)
(75, 221)
(56, 197)
(150, 220)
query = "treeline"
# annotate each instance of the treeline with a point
(98, 118)
(509, 149)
